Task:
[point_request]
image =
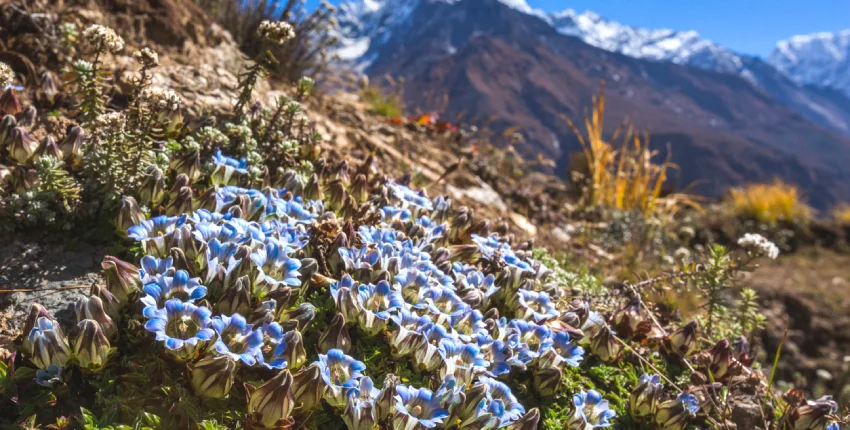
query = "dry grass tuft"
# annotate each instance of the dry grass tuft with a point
(625, 179)
(770, 203)
(841, 213)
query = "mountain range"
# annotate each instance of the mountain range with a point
(728, 118)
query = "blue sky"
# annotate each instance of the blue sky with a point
(748, 26)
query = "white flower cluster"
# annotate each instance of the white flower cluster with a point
(112, 121)
(146, 57)
(277, 32)
(99, 35)
(759, 245)
(161, 100)
(7, 76)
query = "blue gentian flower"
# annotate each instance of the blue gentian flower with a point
(340, 373)
(529, 340)
(179, 286)
(833, 426)
(407, 338)
(410, 197)
(225, 167)
(491, 247)
(499, 355)
(377, 236)
(360, 411)
(468, 325)
(592, 411)
(562, 351)
(275, 267)
(50, 377)
(152, 266)
(509, 409)
(273, 348)
(443, 304)
(535, 306)
(411, 283)
(390, 213)
(470, 278)
(463, 361)
(375, 303)
(154, 232)
(183, 328)
(417, 407)
(49, 345)
(237, 339)
(427, 355)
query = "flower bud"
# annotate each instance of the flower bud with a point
(336, 336)
(6, 126)
(290, 181)
(359, 188)
(811, 414)
(49, 345)
(207, 200)
(180, 203)
(110, 303)
(270, 405)
(336, 195)
(48, 148)
(10, 104)
(385, 402)
(91, 347)
(122, 278)
(51, 377)
(27, 117)
(36, 311)
(295, 354)
(313, 189)
(308, 387)
(212, 376)
(21, 145)
(91, 308)
(23, 179)
(674, 414)
(547, 381)
(237, 298)
(129, 214)
(298, 318)
(152, 187)
(604, 345)
(188, 164)
(684, 340)
(629, 321)
(722, 363)
(528, 421)
(49, 87)
(71, 144)
(644, 399)
(464, 253)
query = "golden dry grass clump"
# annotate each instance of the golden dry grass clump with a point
(770, 203)
(629, 178)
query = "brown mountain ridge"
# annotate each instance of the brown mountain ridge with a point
(494, 62)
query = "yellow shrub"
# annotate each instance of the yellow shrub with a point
(626, 179)
(384, 103)
(770, 203)
(841, 213)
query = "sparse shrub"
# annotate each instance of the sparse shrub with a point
(770, 203)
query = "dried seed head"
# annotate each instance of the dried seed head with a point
(276, 32)
(146, 57)
(99, 35)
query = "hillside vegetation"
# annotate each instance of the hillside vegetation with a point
(198, 239)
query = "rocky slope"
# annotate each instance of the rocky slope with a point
(820, 59)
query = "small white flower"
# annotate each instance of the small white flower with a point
(146, 57)
(112, 121)
(161, 100)
(99, 35)
(7, 76)
(276, 32)
(759, 245)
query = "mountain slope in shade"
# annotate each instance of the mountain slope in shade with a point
(494, 61)
(821, 59)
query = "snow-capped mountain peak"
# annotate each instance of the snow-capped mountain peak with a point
(820, 59)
